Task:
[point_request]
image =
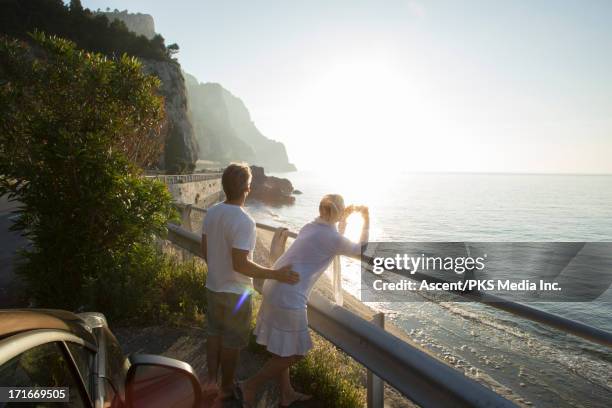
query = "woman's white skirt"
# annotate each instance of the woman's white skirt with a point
(284, 332)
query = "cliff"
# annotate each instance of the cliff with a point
(217, 139)
(141, 24)
(181, 150)
(270, 154)
(218, 126)
(225, 131)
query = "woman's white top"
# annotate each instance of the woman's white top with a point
(310, 255)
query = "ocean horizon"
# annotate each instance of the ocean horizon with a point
(481, 207)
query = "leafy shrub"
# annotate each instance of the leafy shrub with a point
(153, 287)
(331, 375)
(74, 129)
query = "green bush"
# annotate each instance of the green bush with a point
(330, 375)
(156, 288)
(75, 127)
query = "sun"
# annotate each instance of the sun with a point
(359, 112)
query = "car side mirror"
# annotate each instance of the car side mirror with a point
(160, 382)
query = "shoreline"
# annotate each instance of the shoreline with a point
(442, 331)
(366, 312)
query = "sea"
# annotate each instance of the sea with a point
(539, 365)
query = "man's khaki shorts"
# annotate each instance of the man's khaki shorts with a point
(228, 318)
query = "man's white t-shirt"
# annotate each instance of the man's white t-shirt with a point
(227, 226)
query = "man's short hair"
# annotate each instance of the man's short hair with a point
(236, 180)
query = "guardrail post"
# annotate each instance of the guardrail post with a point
(376, 386)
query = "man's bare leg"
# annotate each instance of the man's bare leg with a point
(213, 351)
(229, 362)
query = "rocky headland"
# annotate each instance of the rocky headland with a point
(270, 190)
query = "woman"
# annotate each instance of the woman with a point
(282, 325)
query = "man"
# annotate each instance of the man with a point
(228, 241)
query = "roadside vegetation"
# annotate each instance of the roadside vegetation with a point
(160, 289)
(76, 128)
(331, 375)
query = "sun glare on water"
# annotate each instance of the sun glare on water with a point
(353, 227)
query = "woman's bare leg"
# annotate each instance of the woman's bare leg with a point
(272, 369)
(284, 385)
(288, 394)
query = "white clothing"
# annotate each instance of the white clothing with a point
(283, 331)
(227, 226)
(282, 324)
(277, 248)
(310, 254)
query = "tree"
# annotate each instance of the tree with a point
(73, 127)
(90, 31)
(173, 49)
(76, 6)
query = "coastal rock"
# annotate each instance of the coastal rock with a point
(270, 154)
(225, 131)
(139, 23)
(181, 149)
(270, 190)
(205, 120)
(217, 140)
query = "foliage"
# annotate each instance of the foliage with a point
(173, 49)
(73, 130)
(157, 288)
(331, 375)
(89, 30)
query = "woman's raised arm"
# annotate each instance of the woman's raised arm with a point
(365, 228)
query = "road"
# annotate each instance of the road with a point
(10, 242)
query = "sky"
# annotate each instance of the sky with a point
(417, 85)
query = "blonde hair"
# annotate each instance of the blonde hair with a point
(236, 180)
(331, 207)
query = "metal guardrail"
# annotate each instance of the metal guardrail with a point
(574, 327)
(185, 178)
(417, 375)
